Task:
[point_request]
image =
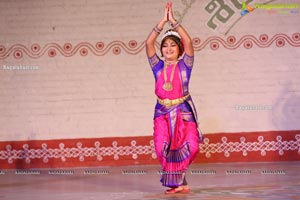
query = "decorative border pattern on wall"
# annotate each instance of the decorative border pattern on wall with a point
(132, 47)
(222, 147)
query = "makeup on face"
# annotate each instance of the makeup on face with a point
(170, 48)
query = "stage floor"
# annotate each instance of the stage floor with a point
(247, 181)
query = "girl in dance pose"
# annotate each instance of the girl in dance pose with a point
(176, 133)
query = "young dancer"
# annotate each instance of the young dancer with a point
(176, 134)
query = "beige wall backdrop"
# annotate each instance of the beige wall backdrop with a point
(78, 69)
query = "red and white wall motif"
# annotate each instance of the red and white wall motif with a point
(35, 51)
(222, 147)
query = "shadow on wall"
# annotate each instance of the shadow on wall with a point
(286, 109)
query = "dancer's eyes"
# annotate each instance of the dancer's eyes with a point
(172, 45)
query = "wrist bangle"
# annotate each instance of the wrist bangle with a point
(176, 22)
(157, 30)
(176, 25)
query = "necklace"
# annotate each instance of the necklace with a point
(168, 86)
(171, 63)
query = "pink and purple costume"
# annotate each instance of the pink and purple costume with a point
(176, 133)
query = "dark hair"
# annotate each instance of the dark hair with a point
(176, 40)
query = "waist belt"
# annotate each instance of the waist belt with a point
(172, 102)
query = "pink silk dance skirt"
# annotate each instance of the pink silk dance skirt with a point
(176, 147)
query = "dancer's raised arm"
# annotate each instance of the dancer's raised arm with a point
(150, 42)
